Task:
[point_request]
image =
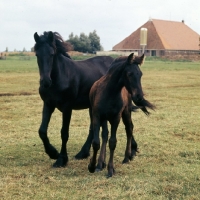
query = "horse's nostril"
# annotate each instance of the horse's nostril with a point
(45, 83)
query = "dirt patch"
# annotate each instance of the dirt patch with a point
(16, 94)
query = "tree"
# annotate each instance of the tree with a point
(95, 41)
(84, 43)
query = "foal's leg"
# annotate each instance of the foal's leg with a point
(85, 150)
(102, 157)
(95, 145)
(63, 158)
(134, 148)
(112, 146)
(131, 145)
(46, 115)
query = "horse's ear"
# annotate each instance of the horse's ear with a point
(130, 58)
(36, 37)
(51, 37)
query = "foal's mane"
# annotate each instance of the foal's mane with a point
(60, 46)
(121, 61)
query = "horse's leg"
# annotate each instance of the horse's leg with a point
(112, 146)
(85, 150)
(95, 145)
(102, 157)
(63, 158)
(46, 115)
(131, 145)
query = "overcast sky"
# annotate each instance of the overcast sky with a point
(112, 19)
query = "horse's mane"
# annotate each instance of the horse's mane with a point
(60, 46)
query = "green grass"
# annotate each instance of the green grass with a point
(167, 166)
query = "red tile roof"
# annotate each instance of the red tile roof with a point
(162, 34)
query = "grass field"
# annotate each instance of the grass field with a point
(167, 167)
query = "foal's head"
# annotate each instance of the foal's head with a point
(47, 46)
(132, 80)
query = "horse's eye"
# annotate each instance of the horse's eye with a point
(130, 73)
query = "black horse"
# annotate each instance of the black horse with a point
(65, 85)
(111, 98)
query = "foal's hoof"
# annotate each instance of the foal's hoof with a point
(82, 155)
(91, 168)
(100, 167)
(61, 162)
(111, 172)
(126, 160)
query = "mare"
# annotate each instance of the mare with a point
(65, 85)
(111, 99)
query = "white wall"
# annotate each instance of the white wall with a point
(120, 53)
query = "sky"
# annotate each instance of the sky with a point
(113, 20)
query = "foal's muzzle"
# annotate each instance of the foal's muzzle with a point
(138, 98)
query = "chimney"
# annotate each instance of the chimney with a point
(183, 21)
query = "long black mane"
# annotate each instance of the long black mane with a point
(60, 46)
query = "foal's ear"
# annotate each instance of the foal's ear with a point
(51, 37)
(130, 58)
(36, 37)
(141, 59)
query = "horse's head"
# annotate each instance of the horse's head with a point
(45, 49)
(132, 81)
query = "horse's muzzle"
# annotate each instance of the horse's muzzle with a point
(45, 83)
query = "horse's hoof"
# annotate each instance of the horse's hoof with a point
(91, 168)
(52, 152)
(82, 155)
(61, 162)
(54, 155)
(133, 154)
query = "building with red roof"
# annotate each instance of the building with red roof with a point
(163, 38)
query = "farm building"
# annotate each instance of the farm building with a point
(163, 38)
